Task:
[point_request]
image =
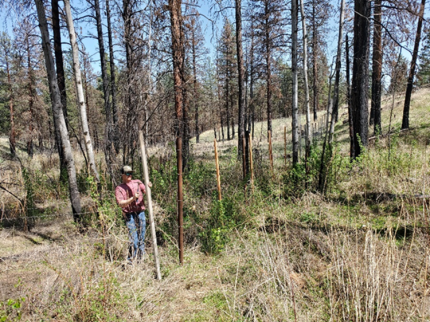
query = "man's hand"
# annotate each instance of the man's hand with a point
(136, 195)
(149, 184)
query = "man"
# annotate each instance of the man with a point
(129, 196)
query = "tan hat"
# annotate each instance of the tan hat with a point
(126, 169)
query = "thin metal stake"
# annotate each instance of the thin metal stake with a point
(180, 201)
(218, 179)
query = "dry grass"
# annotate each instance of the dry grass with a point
(359, 253)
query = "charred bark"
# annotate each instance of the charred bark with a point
(375, 110)
(294, 124)
(241, 75)
(359, 96)
(406, 108)
(112, 84)
(59, 64)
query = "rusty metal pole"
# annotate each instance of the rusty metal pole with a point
(218, 179)
(149, 199)
(180, 201)
(285, 146)
(251, 164)
(243, 158)
(271, 153)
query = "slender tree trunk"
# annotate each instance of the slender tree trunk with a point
(59, 63)
(178, 70)
(185, 122)
(294, 124)
(92, 127)
(222, 124)
(232, 115)
(323, 165)
(57, 111)
(406, 108)
(109, 154)
(12, 135)
(80, 90)
(220, 108)
(227, 101)
(61, 85)
(375, 110)
(241, 76)
(147, 100)
(195, 98)
(251, 86)
(268, 69)
(337, 78)
(128, 147)
(30, 149)
(348, 91)
(115, 135)
(305, 73)
(315, 61)
(359, 97)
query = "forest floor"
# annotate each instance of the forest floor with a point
(281, 251)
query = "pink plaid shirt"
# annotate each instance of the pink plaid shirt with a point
(126, 190)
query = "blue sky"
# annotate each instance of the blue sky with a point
(7, 23)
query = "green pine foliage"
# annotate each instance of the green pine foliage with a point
(423, 75)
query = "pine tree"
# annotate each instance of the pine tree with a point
(227, 69)
(423, 74)
(268, 28)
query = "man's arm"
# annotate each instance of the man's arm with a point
(142, 187)
(125, 202)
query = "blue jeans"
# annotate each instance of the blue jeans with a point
(136, 224)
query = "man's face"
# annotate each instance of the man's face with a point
(126, 177)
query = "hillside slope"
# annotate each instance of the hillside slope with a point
(280, 251)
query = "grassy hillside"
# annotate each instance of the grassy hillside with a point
(281, 251)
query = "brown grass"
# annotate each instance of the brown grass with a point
(359, 253)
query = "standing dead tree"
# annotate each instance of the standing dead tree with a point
(406, 108)
(337, 77)
(360, 72)
(295, 87)
(241, 83)
(80, 90)
(177, 35)
(57, 111)
(305, 73)
(375, 110)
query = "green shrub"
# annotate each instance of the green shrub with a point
(224, 216)
(11, 310)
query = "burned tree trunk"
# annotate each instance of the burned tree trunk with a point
(315, 62)
(112, 87)
(109, 153)
(57, 111)
(12, 135)
(360, 73)
(348, 94)
(178, 69)
(337, 77)
(30, 150)
(406, 108)
(268, 67)
(305, 73)
(195, 98)
(241, 75)
(375, 110)
(295, 108)
(61, 84)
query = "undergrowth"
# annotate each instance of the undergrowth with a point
(277, 248)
